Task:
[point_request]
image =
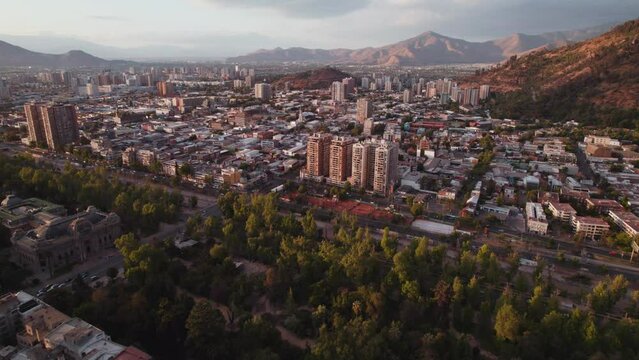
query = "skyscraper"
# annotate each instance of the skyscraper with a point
(338, 91)
(263, 91)
(368, 127)
(484, 92)
(365, 83)
(5, 93)
(363, 164)
(57, 125)
(318, 154)
(34, 124)
(364, 109)
(408, 96)
(349, 85)
(374, 165)
(166, 89)
(386, 162)
(60, 125)
(340, 159)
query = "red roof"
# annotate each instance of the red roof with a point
(133, 353)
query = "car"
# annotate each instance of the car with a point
(613, 253)
(94, 278)
(84, 274)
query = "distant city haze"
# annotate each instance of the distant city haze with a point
(221, 28)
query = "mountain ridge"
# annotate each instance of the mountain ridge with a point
(12, 55)
(427, 48)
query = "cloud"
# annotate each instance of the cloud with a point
(300, 8)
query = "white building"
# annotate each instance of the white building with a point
(536, 219)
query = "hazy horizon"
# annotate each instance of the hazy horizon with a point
(221, 28)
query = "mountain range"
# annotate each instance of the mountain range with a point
(429, 48)
(11, 55)
(594, 81)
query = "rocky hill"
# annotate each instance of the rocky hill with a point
(312, 80)
(428, 48)
(11, 55)
(593, 80)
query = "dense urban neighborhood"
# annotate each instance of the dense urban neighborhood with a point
(262, 211)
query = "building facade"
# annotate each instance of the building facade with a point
(318, 152)
(341, 154)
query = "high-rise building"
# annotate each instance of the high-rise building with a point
(263, 91)
(386, 162)
(484, 92)
(471, 97)
(57, 125)
(369, 124)
(318, 154)
(364, 109)
(93, 90)
(60, 125)
(338, 91)
(5, 93)
(349, 85)
(365, 83)
(408, 96)
(363, 164)
(388, 86)
(340, 159)
(166, 89)
(34, 124)
(374, 165)
(249, 81)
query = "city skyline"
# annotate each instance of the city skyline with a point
(225, 28)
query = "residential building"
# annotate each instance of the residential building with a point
(408, 96)
(5, 92)
(338, 91)
(603, 206)
(626, 220)
(318, 151)
(562, 211)
(349, 85)
(536, 219)
(166, 89)
(43, 332)
(364, 109)
(386, 162)
(341, 153)
(55, 125)
(363, 164)
(35, 124)
(484, 92)
(590, 227)
(601, 140)
(263, 91)
(369, 125)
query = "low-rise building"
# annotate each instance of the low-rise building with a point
(536, 219)
(562, 211)
(590, 227)
(626, 220)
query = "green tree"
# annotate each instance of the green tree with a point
(507, 323)
(205, 332)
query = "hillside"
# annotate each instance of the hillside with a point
(312, 80)
(428, 48)
(590, 80)
(11, 55)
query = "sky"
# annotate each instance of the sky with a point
(233, 27)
